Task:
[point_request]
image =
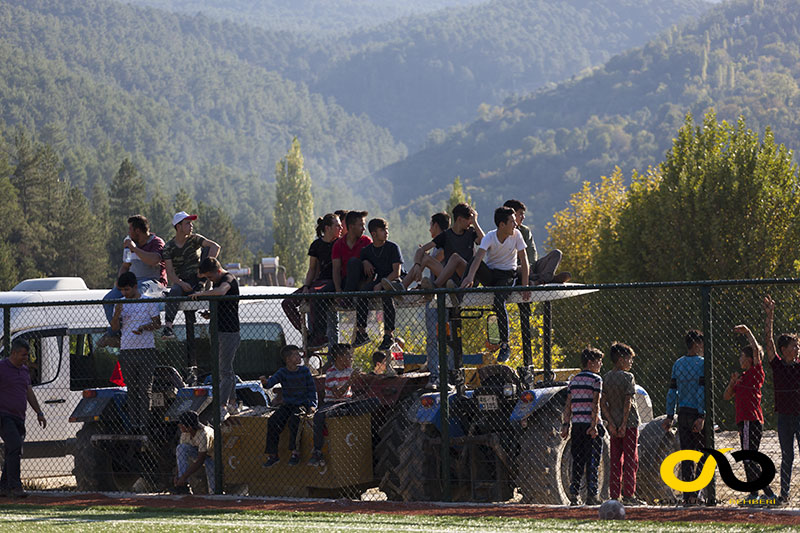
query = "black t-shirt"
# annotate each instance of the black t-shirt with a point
(322, 251)
(229, 309)
(382, 258)
(451, 243)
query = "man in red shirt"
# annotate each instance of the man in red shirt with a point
(348, 271)
(745, 390)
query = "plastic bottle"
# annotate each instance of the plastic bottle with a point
(127, 255)
(396, 353)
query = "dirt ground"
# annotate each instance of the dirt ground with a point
(660, 514)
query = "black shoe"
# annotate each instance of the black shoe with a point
(504, 353)
(387, 342)
(294, 460)
(167, 333)
(361, 339)
(574, 500)
(632, 501)
(271, 460)
(183, 489)
(592, 499)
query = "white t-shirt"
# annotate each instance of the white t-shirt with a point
(203, 439)
(134, 315)
(502, 255)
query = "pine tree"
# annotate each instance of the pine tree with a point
(81, 243)
(159, 213)
(293, 226)
(217, 225)
(128, 197)
(457, 196)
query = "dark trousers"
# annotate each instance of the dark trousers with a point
(750, 432)
(492, 277)
(586, 452)
(319, 308)
(171, 308)
(544, 268)
(137, 370)
(12, 431)
(283, 414)
(690, 440)
(788, 432)
(319, 423)
(356, 281)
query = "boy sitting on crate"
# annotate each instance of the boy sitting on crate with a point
(299, 399)
(582, 410)
(338, 382)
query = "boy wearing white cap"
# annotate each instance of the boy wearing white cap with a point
(182, 259)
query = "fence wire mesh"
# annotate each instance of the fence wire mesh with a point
(359, 410)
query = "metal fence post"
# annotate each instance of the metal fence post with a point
(6, 330)
(213, 330)
(547, 342)
(708, 376)
(444, 390)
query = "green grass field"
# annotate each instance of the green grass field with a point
(22, 518)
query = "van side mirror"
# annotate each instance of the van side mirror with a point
(492, 330)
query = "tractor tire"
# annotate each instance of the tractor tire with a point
(655, 445)
(544, 462)
(389, 436)
(95, 470)
(91, 464)
(418, 467)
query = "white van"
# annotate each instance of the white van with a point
(64, 361)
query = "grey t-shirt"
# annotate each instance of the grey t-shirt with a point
(463, 245)
(618, 387)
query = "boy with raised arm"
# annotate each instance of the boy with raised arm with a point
(745, 390)
(786, 378)
(687, 392)
(495, 265)
(582, 414)
(299, 398)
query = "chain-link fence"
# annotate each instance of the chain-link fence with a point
(406, 396)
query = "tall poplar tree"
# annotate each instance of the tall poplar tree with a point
(293, 221)
(457, 196)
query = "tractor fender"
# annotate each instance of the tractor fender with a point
(95, 402)
(426, 411)
(540, 397)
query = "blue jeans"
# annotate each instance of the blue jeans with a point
(150, 287)
(788, 432)
(186, 454)
(12, 431)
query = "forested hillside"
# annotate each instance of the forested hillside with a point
(427, 72)
(314, 17)
(741, 58)
(104, 80)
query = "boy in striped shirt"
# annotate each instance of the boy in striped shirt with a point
(338, 381)
(582, 412)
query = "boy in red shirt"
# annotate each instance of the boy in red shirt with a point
(745, 390)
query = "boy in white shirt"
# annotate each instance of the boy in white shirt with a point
(137, 353)
(495, 265)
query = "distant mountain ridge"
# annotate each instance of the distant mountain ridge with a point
(741, 57)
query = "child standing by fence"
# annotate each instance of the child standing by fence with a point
(622, 417)
(582, 411)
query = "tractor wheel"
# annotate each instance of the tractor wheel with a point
(95, 469)
(418, 469)
(544, 462)
(655, 445)
(388, 438)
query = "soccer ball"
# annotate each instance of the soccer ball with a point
(612, 510)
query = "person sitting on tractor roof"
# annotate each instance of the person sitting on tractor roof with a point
(196, 444)
(433, 261)
(299, 398)
(495, 265)
(338, 382)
